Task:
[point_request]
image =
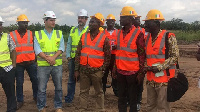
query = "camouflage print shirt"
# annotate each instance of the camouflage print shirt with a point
(173, 53)
(86, 69)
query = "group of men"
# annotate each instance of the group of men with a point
(91, 54)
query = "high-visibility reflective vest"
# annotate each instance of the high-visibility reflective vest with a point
(4, 51)
(24, 46)
(49, 47)
(156, 55)
(75, 39)
(126, 55)
(92, 50)
(112, 38)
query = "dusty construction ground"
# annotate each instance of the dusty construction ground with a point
(190, 102)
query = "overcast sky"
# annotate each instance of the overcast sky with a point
(66, 10)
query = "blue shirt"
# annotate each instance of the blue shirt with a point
(69, 43)
(37, 45)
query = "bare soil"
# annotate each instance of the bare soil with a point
(190, 102)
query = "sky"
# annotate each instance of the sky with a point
(66, 10)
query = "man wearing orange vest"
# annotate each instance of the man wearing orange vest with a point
(111, 33)
(92, 58)
(130, 58)
(25, 60)
(162, 54)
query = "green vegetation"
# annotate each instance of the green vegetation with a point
(189, 36)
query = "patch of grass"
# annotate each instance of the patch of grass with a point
(189, 36)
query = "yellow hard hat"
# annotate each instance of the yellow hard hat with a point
(101, 29)
(154, 14)
(110, 16)
(100, 17)
(22, 17)
(128, 11)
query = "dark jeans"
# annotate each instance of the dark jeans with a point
(104, 78)
(139, 93)
(71, 82)
(127, 85)
(7, 80)
(32, 72)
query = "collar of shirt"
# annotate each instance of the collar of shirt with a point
(79, 31)
(128, 30)
(48, 34)
(111, 31)
(153, 41)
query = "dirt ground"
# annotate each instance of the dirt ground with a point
(190, 102)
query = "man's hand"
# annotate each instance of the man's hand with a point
(50, 60)
(76, 75)
(154, 69)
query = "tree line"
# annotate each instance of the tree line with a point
(174, 24)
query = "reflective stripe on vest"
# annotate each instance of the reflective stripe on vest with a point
(92, 53)
(4, 51)
(75, 39)
(49, 47)
(160, 55)
(128, 48)
(96, 45)
(24, 46)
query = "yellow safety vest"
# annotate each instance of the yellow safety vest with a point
(75, 39)
(49, 47)
(4, 51)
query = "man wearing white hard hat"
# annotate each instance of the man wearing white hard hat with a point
(49, 46)
(72, 43)
(7, 68)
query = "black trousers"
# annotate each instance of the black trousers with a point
(105, 76)
(127, 85)
(7, 79)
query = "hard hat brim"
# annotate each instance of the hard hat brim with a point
(154, 19)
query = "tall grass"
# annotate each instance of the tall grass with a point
(188, 36)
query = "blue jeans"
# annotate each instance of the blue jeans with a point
(71, 82)
(43, 77)
(32, 72)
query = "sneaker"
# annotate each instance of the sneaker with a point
(138, 107)
(59, 110)
(19, 105)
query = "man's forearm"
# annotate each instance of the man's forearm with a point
(13, 55)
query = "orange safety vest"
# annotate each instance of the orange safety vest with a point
(126, 54)
(92, 50)
(112, 38)
(24, 46)
(156, 54)
(141, 29)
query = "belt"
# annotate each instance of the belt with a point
(156, 84)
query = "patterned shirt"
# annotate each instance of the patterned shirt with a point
(86, 69)
(173, 53)
(11, 46)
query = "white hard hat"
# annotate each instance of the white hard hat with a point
(1, 20)
(49, 14)
(82, 12)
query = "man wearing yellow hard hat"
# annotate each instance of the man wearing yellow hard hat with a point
(130, 58)
(25, 60)
(7, 68)
(111, 33)
(162, 55)
(92, 58)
